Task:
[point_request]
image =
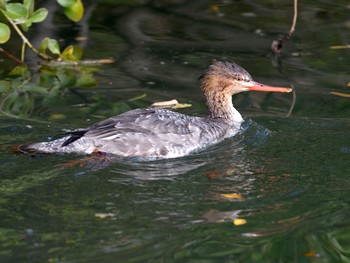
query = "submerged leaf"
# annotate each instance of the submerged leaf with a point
(5, 86)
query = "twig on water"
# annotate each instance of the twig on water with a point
(293, 102)
(277, 45)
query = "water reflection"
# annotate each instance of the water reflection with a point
(157, 169)
(228, 158)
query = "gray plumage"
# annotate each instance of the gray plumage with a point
(150, 133)
(155, 133)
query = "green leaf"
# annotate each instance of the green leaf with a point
(73, 53)
(9, 101)
(66, 3)
(44, 44)
(36, 89)
(19, 71)
(5, 86)
(25, 26)
(77, 52)
(3, 4)
(21, 106)
(39, 15)
(53, 46)
(67, 78)
(75, 12)
(86, 80)
(5, 33)
(68, 51)
(48, 72)
(16, 11)
(27, 105)
(67, 54)
(29, 5)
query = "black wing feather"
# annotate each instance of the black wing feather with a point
(74, 135)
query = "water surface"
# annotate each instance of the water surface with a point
(286, 174)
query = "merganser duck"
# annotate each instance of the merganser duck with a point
(155, 133)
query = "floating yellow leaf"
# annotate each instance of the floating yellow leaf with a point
(340, 94)
(214, 8)
(57, 116)
(165, 104)
(339, 47)
(311, 254)
(81, 38)
(104, 215)
(173, 104)
(239, 221)
(181, 106)
(233, 196)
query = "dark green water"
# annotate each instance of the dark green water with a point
(292, 173)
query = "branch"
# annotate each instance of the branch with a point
(277, 45)
(26, 41)
(11, 56)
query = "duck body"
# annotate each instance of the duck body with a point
(155, 133)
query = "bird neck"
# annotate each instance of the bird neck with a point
(219, 102)
(221, 106)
